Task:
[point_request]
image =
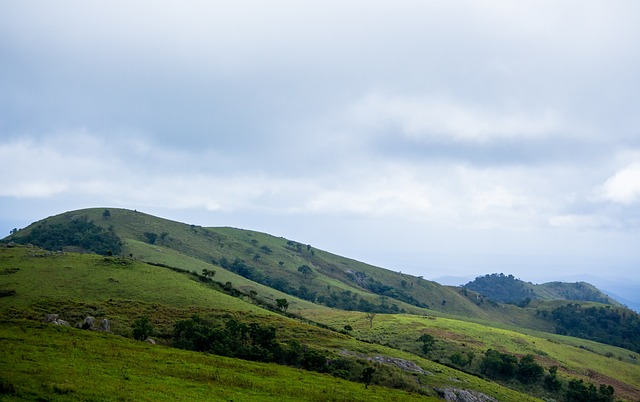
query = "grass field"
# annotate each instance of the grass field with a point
(64, 364)
(75, 285)
(575, 357)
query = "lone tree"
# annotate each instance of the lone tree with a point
(142, 329)
(427, 343)
(282, 304)
(106, 214)
(367, 376)
(370, 316)
(208, 273)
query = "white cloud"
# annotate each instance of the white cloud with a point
(427, 118)
(582, 221)
(624, 186)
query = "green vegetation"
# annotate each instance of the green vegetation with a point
(252, 296)
(55, 363)
(77, 231)
(613, 326)
(507, 289)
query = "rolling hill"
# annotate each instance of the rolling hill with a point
(508, 289)
(344, 310)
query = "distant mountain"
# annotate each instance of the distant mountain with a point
(503, 288)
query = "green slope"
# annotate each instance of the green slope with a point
(75, 285)
(125, 288)
(336, 281)
(44, 362)
(508, 289)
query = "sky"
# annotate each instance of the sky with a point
(437, 138)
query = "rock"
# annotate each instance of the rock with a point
(150, 341)
(49, 318)
(105, 325)
(88, 323)
(53, 319)
(463, 395)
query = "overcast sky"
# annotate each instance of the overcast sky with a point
(430, 137)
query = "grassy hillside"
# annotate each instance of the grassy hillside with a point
(53, 363)
(123, 290)
(334, 281)
(159, 274)
(508, 289)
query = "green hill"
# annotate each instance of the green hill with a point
(508, 289)
(346, 314)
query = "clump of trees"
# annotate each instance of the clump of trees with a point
(258, 342)
(503, 366)
(502, 288)
(610, 325)
(78, 231)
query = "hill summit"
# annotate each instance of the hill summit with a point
(503, 288)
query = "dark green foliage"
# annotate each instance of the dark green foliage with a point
(367, 376)
(266, 250)
(106, 214)
(579, 391)
(501, 288)
(427, 341)
(461, 360)
(306, 272)
(209, 273)
(381, 289)
(350, 301)
(610, 325)
(151, 237)
(551, 380)
(314, 360)
(306, 294)
(499, 365)
(528, 371)
(241, 268)
(282, 304)
(78, 231)
(250, 342)
(142, 329)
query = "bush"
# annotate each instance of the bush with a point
(142, 329)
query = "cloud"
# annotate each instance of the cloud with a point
(624, 186)
(426, 118)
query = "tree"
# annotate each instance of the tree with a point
(208, 273)
(151, 237)
(528, 370)
(551, 381)
(106, 214)
(282, 304)
(307, 272)
(370, 316)
(142, 329)
(499, 365)
(367, 376)
(427, 343)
